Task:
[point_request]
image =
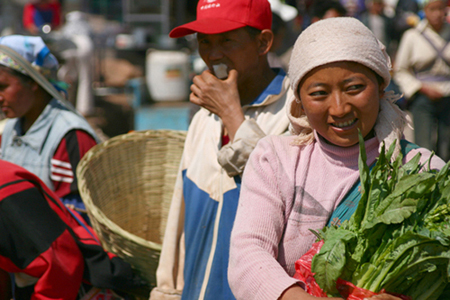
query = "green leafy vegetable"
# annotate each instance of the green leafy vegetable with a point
(398, 239)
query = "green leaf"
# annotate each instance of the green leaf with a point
(406, 277)
(444, 171)
(364, 274)
(411, 167)
(328, 264)
(398, 210)
(358, 216)
(413, 184)
(405, 249)
(410, 186)
(430, 286)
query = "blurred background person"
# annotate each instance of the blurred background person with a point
(376, 20)
(38, 13)
(382, 26)
(354, 7)
(71, 41)
(282, 16)
(422, 71)
(11, 17)
(78, 67)
(43, 133)
(406, 16)
(324, 9)
(318, 10)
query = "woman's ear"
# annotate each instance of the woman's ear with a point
(301, 106)
(265, 39)
(34, 86)
(296, 108)
(381, 91)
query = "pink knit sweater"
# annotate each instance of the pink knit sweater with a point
(286, 191)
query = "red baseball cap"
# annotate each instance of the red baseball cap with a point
(218, 16)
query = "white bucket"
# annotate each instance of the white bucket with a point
(167, 75)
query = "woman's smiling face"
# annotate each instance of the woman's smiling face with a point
(340, 98)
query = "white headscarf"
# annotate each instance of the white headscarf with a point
(343, 39)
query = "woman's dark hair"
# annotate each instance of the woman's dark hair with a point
(22, 77)
(379, 79)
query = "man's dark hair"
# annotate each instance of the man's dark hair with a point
(252, 31)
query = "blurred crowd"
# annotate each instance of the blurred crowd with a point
(420, 68)
(70, 37)
(43, 44)
(421, 64)
(388, 19)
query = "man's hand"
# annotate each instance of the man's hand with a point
(431, 93)
(221, 97)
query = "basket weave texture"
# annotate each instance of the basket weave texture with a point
(126, 184)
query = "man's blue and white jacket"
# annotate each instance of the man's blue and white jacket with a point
(194, 257)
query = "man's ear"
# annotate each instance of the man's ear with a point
(265, 39)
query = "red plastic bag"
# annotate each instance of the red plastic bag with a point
(347, 290)
(351, 292)
(303, 271)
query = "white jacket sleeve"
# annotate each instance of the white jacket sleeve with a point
(403, 68)
(169, 275)
(234, 156)
(270, 119)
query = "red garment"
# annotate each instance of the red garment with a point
(40, 14)
(225, 140)
(51, 253)
(40, 237)
(72, 148)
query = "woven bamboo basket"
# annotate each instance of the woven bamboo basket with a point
(126, 184)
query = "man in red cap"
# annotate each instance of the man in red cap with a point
(242, 100)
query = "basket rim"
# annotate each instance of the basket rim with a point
(98, 215)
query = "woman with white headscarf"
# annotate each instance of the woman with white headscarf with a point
(292, 184)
